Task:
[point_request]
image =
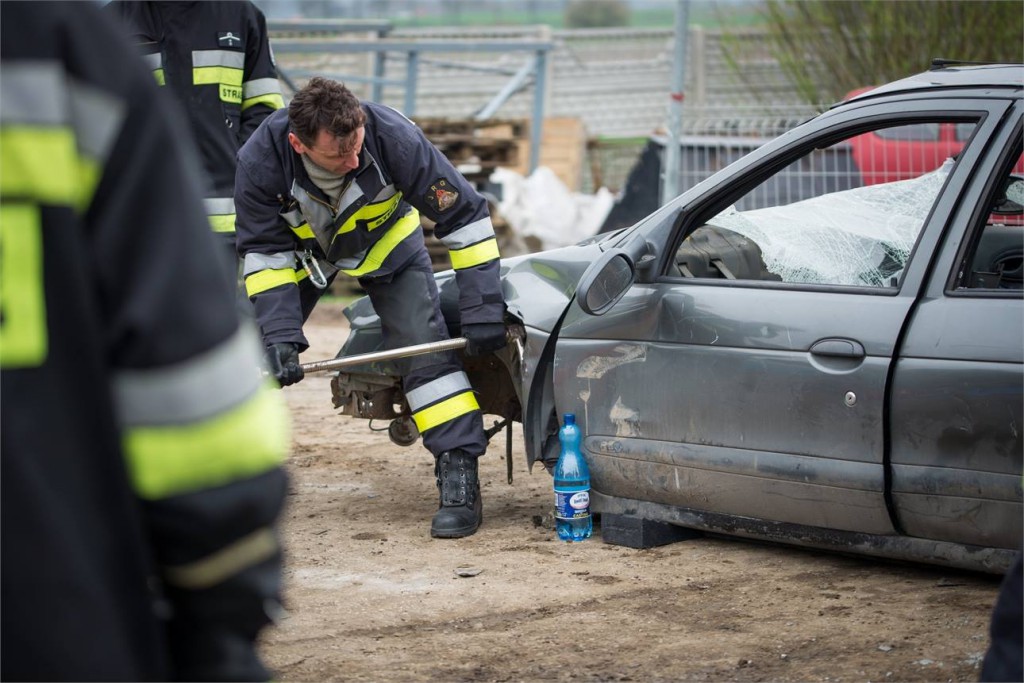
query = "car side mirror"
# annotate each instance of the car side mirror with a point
(606, 281)
(1011, 203)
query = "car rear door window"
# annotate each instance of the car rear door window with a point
(995, 259)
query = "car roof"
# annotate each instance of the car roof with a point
(954, 76)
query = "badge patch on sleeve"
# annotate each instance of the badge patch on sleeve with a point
(442, 195)
(228, 39)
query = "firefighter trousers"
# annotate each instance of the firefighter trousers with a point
(443, 404)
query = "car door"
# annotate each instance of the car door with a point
(748, 375)
(958, 386)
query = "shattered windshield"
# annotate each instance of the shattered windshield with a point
(862, 236)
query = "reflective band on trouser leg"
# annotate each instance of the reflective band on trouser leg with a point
(446, 410)
(475, 255)
(405, 226)
(268, 279)
(247, 551)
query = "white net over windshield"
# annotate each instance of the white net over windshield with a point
(862, 236)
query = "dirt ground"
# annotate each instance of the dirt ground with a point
(370, 596)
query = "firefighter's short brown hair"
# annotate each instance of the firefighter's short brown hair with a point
(324, 104)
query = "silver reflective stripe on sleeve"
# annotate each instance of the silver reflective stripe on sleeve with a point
(38, 93)
(34, 92)
(442, 387)
(193, 390)
(254, 263)
(96, 117)
(57, 133)
(260, 86)
(219, 206)
(230, 58)
(153, 61)
(468, 235)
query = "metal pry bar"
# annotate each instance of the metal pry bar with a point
(390, 354)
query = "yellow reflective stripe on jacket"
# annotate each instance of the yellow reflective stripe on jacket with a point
(158, 74)
(55, 133)
(372, 215)
(43, 164)
(23, 333)
(211, 570)
(404, 227)
(484, 252)
(220, 212)
(446, 410)
(273, 100)
(210, 75)
(268, 279)
(222, 223)
(170, 460)
(304, 232)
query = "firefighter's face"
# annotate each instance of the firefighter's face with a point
(337, 155)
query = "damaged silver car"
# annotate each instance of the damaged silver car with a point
(791, 350)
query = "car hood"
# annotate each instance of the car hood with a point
(537, 287)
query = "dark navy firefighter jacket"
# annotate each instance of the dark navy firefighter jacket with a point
(216, 60)
(373, 232)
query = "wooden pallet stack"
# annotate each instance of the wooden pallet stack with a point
(476, 149)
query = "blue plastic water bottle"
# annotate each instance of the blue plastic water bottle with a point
(572, 486)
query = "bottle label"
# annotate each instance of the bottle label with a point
(572, 504)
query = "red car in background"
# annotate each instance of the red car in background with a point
(889, 154)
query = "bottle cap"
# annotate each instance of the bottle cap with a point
(570, 418)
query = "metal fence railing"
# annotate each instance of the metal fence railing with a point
(615, 81)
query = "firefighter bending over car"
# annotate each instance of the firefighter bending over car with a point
(334, 185)
(141, 480)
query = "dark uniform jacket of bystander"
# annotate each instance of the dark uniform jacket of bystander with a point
(140, 479)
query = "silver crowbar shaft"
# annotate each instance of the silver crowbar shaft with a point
(390, 354)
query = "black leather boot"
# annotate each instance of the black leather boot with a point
(460, 509)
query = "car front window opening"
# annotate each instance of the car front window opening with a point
(848, 213)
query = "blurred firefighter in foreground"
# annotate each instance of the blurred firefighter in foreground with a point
(331, 185)
(1004, 659)
(141, 459)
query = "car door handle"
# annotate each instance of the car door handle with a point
(841, 348)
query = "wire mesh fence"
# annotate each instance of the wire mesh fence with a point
(615, 81)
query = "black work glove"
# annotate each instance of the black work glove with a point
(283, 363)
(483, 338)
